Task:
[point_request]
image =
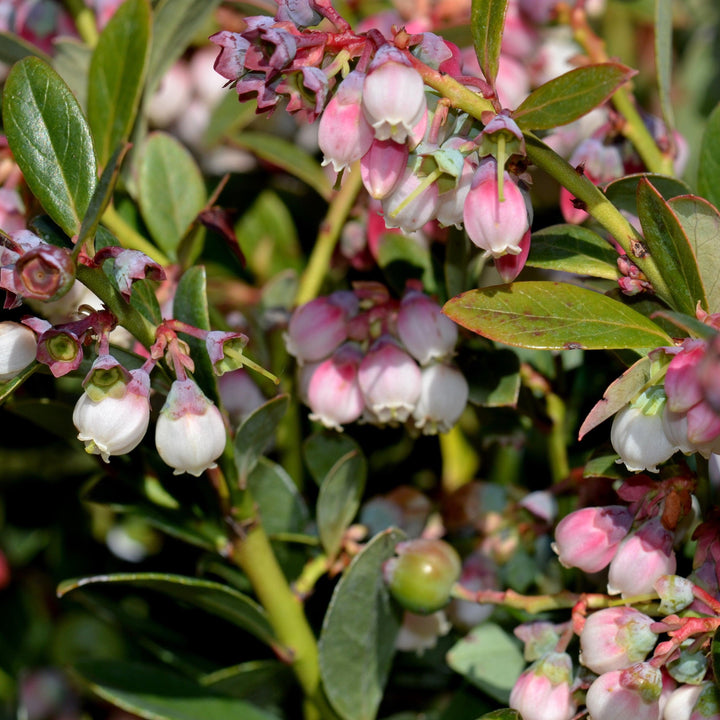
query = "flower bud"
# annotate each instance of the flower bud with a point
(642, 558)
(693, 702)
(422, 574)
(542, 692)
(45, 272)
(393, 97)
(18, 347)
(318, 327)
(113, 414)
(629, 694)
(425, 331)
(444, 393)
(637, 434)
(589, 538)
(412, 203)
(331, 388)
(614, 638)
(390, 381)
(382, 167)
(682, 385)
(344, 134)
(190, 433)
(493, 225)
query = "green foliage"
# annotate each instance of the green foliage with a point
(487, 22)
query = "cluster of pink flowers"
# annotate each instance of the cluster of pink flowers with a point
(619, 679)
(364, 356)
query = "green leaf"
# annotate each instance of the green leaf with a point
(215, 598)
(503, 714)
(701, 222)
(281, 506)
(402, 258)
(553, 316)
(7, 388)
(498, 385)
(250, 678)
(71, 61)
(622, 193)
(115, 80)
(324, 449)
(339, 499)
(670, 249)
(357, 642)
(175, 25)
(50, 141)
(570, 96)
(709, 162)
(155, 693)
(171, 190)
(256, 433)
(489, 658)
(267, 236)
(618, 394)
(663, 57)
(14, 48)
(487, 22)
(574, 249)
(288, 157)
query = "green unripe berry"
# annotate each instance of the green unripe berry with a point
(421, 576)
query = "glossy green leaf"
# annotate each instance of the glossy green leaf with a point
(175, 25)
(7, 388)
(670, 249)
(701, 222)
(14, 48)
(170, 189)
(282, 508)
(250, 678)
(401, 258)
(622, 193)
(323, 450)
(288, 157)
(618, 394)
(553, 316)
(268, 237)
(117, 72)
(339, 500)
(50, 141)
(256, 433)
(570, 96)
(574, 249)
(487, 22)
(502, 714)
(664, 56)
(156, 693)
(357, 642)
(215, 598)
(604, 466)
(709, 162)
(489, 658)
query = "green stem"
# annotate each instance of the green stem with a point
(84, 21)
(340, 206)
(557, 443)
(128, 317)
(130, 238)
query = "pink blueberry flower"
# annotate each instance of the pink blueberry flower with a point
(542, 692)
(383, 166)
(425, 331)
(443, 396)
(629, 694)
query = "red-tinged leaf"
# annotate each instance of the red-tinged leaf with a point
(554, 316)
(487, 22)
(570, 96)
(618, 394)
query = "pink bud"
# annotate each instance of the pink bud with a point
(682, 385)
(452, 202)
(318, 327)
(614, 638)
(382, 167)
(642, 558)
(494, 226)
(589, 538)
(393, 96)
(443, 396)
(331, 388)
(344, 135)
(390, 381)
(424, 330)
(630, 694)
(190, 433)
(411, 204)
(542, 692)
(703, 424)
(18, 347)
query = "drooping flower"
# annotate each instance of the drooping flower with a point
(18, 347)
(542, 692)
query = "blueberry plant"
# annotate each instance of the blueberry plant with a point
(360, 360)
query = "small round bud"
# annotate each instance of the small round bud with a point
(423, 573)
